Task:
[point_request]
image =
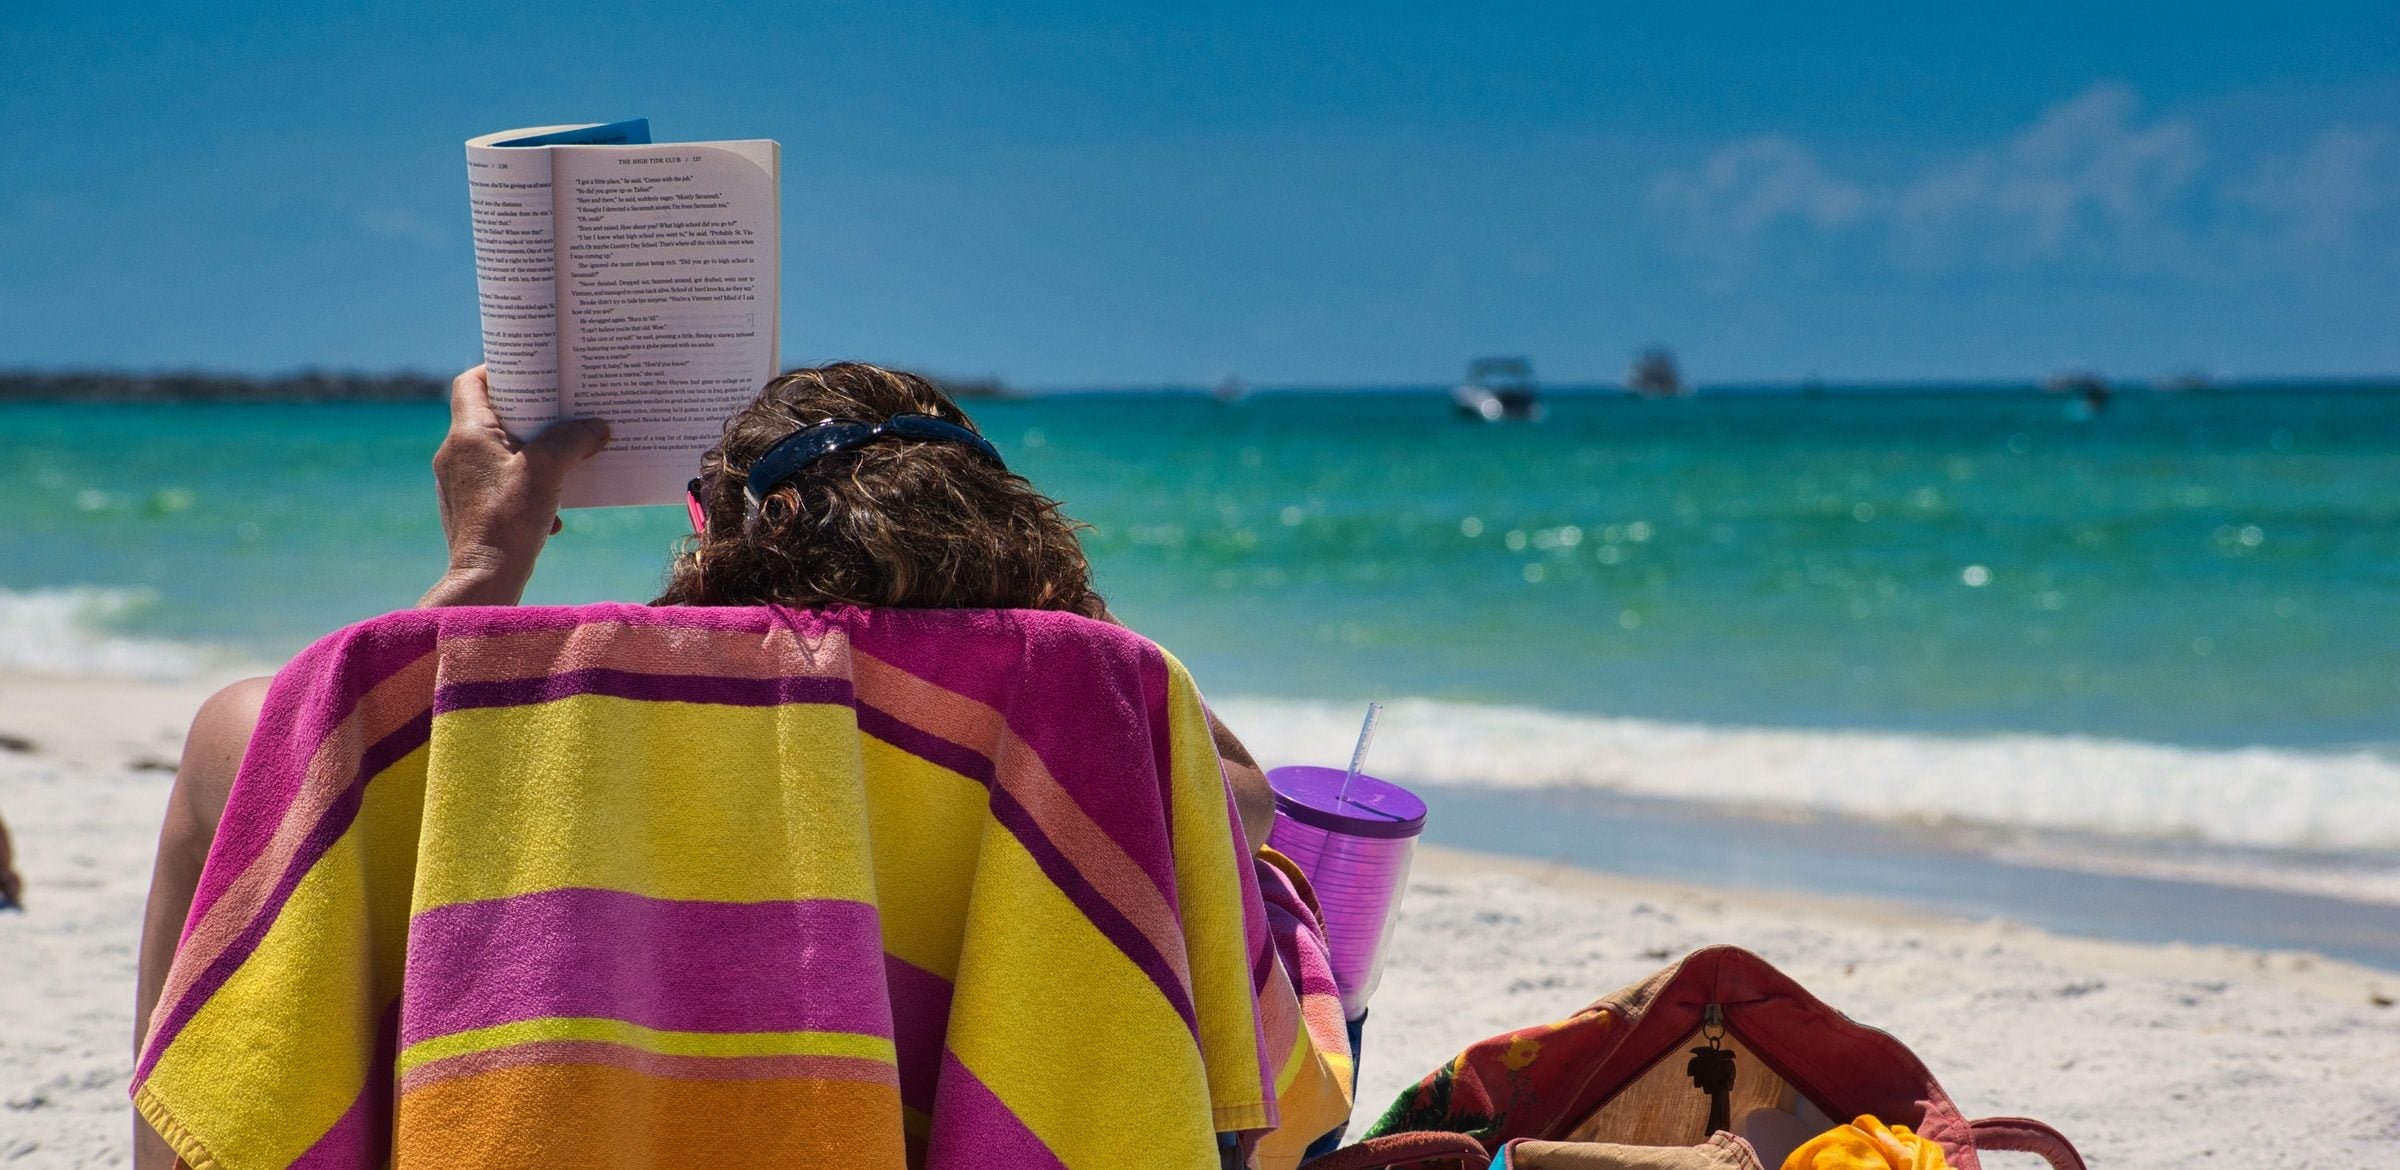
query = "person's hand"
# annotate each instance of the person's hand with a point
(499, 497)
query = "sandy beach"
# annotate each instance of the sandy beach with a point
(2147, 1056)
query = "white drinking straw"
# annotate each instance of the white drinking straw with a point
(1358, 757)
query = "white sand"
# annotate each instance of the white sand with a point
(2146, 1056)
(83, 809)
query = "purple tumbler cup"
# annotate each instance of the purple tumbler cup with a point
(1355, 849)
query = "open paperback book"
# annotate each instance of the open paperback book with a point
(627, 281)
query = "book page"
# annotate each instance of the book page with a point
(509, 197)
(668, 302)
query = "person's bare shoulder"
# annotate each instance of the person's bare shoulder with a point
(212, 751)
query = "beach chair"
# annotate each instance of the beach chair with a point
(623, 885)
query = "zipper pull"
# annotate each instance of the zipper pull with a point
(1711, 1070)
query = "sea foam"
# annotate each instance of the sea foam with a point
(2251, 798)
(76, 631)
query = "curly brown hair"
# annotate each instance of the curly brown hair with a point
(895, 523)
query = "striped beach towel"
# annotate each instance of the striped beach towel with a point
(616, 885)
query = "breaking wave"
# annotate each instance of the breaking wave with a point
(2249, 798)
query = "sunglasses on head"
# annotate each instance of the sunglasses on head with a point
(797, 450)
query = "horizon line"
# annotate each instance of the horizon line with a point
(35, 384)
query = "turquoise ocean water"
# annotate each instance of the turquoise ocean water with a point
(2210, 570)
(2044, 659)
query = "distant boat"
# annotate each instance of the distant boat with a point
(2187, 382)
(2086, 385)
(1655, 375)
(1499, 389)
(1230, 388)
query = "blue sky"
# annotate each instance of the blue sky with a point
(1135, 193)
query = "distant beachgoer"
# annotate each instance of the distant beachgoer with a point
(926, 522)
(12, 887)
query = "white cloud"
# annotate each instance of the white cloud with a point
(2321, 197)
(1747, 188)
(2086, 176)
(2091, 181)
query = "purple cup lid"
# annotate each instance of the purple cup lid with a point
(1375, 808)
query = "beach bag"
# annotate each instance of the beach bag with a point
(1629, 1070)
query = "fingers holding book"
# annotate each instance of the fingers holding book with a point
(499, 497)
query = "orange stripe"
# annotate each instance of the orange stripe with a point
(604, 1115)
(926, 706)
(666, 650)
(1280, 1015)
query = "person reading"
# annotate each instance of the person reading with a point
(842, 489)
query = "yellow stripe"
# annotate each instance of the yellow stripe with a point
(1303, 1052)
(307, 1000)
(925, 820)
(1041, 981)
(1313, 1096)
(1208, 885)
(668, 800)
(650, 1039)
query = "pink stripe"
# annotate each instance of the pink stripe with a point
(663, 1065)
(975, 1130)
(920, 1022)
(1264, 886)
(788, 966)
(1161, 726)
(305, 705)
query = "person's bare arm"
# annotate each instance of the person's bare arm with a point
(499, 497)
(1251, 795)
(212, 755)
